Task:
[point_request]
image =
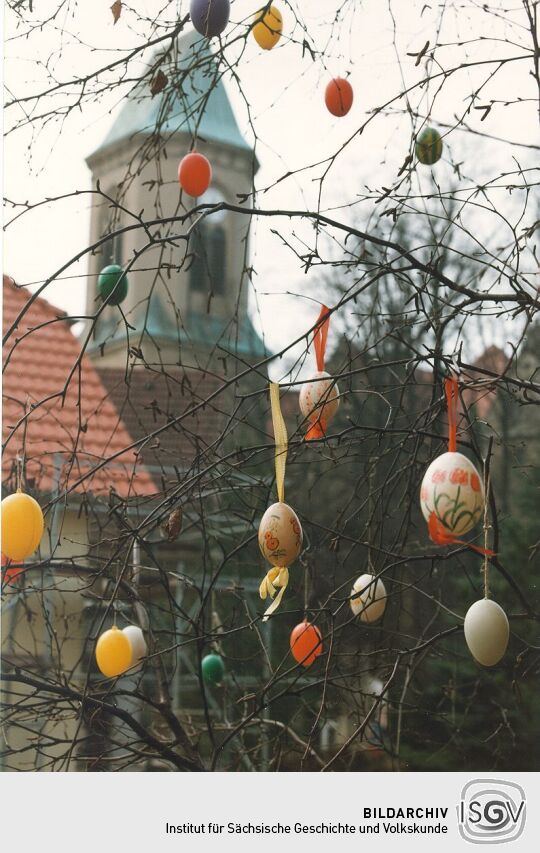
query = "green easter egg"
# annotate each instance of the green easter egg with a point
(213, 669)
(429, 146)
(108, 280)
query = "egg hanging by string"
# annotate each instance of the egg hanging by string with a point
(338, 97)
(280, 532)
(368, 598)
(267, 32)
(429, 146)
(209, 17)
(113, 284)
(213, 669)
(452, 493)
(280, 535)
(319, 398)
(22, 526)
(194, 174)
(306, 643)
(486, 631)
(113, 652)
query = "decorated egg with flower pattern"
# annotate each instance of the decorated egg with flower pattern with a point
(452, 489)
(280, 535)
(319, 399)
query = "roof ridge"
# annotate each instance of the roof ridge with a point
(24, 290)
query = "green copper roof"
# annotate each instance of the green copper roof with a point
(204, 330)
(197, 101)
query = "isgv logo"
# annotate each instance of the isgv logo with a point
(491, 811)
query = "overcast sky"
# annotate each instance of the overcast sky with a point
(286, 91)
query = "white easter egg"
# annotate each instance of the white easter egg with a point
(280, 535)
(319, 398)
(139, 649)
(371, 602)
(452, 489)
(486, 631)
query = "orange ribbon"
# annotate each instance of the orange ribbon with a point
(317, 429)
(439, 534)
(451, 389)
(320, 335)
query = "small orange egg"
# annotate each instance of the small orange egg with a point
(338, 97)
(306, 643)
(194, 174)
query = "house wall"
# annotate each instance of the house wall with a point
(42, 633)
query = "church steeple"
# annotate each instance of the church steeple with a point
(176, 297)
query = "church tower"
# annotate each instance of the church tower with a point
(186, 297)
(184, 324)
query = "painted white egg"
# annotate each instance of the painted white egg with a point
(452, 488)
(486, 631)
(139, 649)
(280, 535)
(371, 602)
(319, 399)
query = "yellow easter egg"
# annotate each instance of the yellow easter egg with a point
(22, 526)
(280, 535)
(113, 652)
(268, 31)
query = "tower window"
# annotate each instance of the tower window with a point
(208, 267)
(111, 249)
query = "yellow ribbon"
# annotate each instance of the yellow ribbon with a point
(280, 436)
(277, 577)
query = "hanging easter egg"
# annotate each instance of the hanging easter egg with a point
(429, 146)
(139, 649)
(338, 97)
(369, 599)
(280, 535)
(213, 669)
(267, 32)
(194, 174)
(22, 526)
(319, 402)
(486, 631)
(209, 17)
(113, 284)
(306, 643)
(452, 490)
(113, 652)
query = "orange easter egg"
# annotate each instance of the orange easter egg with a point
(338, 97)
(194, 174)
(306, 643)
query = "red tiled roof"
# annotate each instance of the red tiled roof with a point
(149, 400)
(65, 434)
